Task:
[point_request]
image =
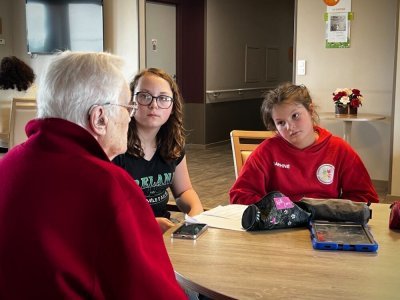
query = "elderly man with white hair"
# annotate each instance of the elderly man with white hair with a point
(72, 224)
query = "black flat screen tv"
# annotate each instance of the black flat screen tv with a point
(58, 25)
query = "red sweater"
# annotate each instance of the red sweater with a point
(75, 226)
(329, 168)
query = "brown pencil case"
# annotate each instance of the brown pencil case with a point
(336, 210)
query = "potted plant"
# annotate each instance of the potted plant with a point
(347, 101)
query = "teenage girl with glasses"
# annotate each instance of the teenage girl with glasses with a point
(156, 157)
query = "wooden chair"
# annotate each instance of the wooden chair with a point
(243, 143)
(22, 111)
(5, 108)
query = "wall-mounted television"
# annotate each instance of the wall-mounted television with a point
(58, 25)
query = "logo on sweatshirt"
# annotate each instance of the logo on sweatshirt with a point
(325, 173)
(280, 165)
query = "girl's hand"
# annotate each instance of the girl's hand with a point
(164, 224)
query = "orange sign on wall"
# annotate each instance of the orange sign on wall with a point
(331, 2)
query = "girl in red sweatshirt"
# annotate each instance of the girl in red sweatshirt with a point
(303, 159)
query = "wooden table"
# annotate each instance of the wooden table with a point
(282, 264)
(349, 119)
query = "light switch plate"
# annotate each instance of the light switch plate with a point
(301, 67)
(2, 41)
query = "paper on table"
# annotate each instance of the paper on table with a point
(222, 216)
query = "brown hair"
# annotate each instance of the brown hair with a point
(171, 136)
(14, 73)
(288, 93)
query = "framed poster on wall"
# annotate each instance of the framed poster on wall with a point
(337, 24)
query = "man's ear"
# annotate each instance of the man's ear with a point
(98, 120)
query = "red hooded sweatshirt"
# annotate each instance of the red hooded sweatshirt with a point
(329, 168)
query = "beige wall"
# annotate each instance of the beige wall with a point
(368, 65)
(120, 32)
(6, 33)
(233, 24)
(395, 179)
(230, 26)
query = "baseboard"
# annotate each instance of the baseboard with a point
(391, 198)
(381, 186)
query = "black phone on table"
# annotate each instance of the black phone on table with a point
(189, 231)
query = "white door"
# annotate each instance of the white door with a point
(161, 37)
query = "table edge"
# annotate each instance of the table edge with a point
(190, 285)
(362, 117)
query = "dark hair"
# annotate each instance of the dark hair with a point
(14, 73)
(171, 136)
(288, 93)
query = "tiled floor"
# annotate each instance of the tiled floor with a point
(212, 173)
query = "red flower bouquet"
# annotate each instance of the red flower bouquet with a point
(346, 96)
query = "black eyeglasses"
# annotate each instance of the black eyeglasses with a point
(146, 99)
(131, 108)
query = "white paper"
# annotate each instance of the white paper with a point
(222, 216)
(338, 27)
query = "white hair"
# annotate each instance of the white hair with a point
(75, 81)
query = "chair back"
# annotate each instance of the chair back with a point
(22, 111)
(243, 143)
(5, 108)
